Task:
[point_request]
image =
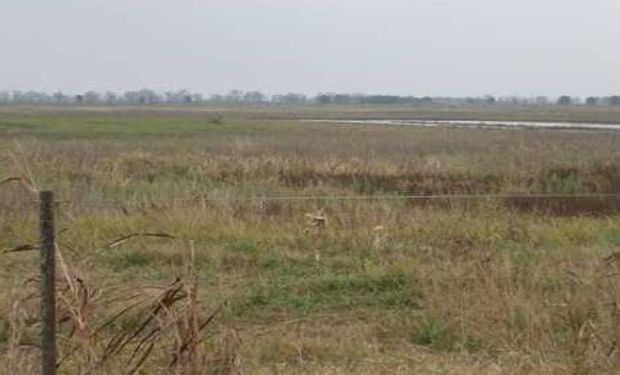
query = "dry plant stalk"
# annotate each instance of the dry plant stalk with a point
(123, 239)
(20, 248)
(122, 328)
(316, 221)
(18, 356)
(23, 181)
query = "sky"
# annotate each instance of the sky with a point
(404, 47)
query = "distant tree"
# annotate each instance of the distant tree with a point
(471, 100)
(79, 99)
(591, 101)
(290, 98)
(59, 97)
(347, 99)
(356, 98)
(254, 97)
(234, 96)
(382, 99)
(541, 100)
(426, 100)
(36, 97)
(5, 97)
(131, 97)
(490, 99)
(614, 100)
(148, 96)
(17, 96)
(110, 98)
(216, 99)
(565, 100)
(31, 97)
(324, 99)
(342, 99)
(175, 97)
(293, 98)
(169, 97)
(91, 97)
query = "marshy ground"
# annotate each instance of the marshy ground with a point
(387, 284)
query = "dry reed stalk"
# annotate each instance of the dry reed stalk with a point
(23, 181)
(126, 238)
(164, 317)
(227, 358)
(20, 248)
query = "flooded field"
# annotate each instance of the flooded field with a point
(484, 124)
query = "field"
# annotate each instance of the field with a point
(301, 238)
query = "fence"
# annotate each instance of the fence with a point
(48, 282)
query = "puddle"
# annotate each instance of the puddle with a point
(482, 124)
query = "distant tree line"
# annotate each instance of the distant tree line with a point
(343, 99)
(184, 97)
(607, 100)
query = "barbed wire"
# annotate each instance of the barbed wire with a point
(305, 198)
(284, 196)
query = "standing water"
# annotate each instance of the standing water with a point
(481, 124)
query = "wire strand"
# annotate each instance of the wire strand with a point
(251, 198)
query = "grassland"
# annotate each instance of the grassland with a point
(386, 286)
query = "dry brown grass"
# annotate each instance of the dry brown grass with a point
(117, 328)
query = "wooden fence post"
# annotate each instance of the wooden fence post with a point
(48, 281)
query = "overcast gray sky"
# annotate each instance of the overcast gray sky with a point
(418, 47)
